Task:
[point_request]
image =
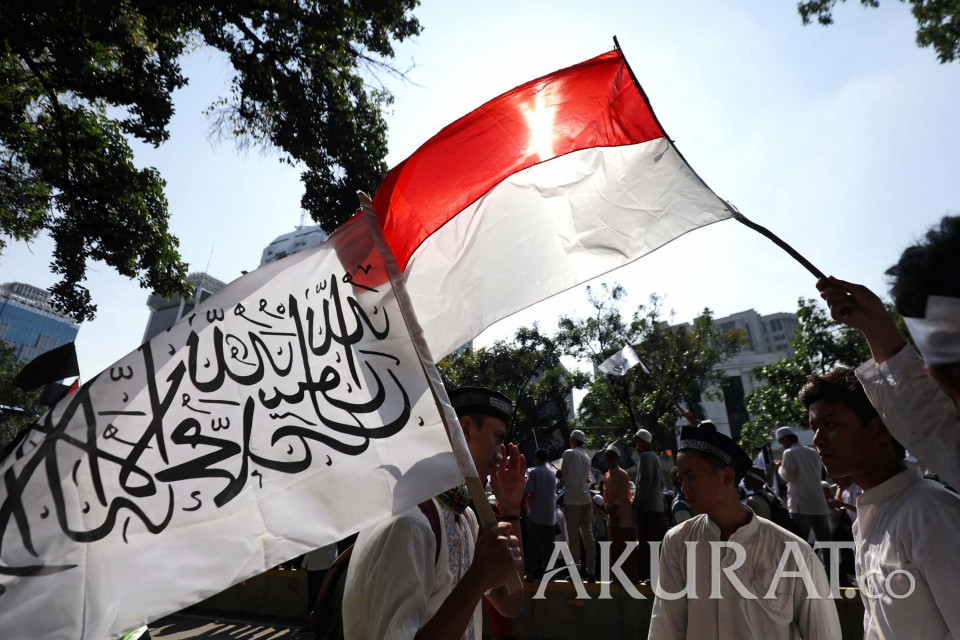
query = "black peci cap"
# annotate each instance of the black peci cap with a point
(488, 402)
(717, 445)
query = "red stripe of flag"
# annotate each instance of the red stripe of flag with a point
(591, 104)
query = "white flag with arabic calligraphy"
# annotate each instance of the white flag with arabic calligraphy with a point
(285, 413)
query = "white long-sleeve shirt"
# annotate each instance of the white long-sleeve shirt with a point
(802, 469)
(649, 493)
(918, 413)
(393, 585)
(575, 470)
(906, 532)
(787, 615)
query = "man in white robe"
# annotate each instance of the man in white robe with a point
(726, 573)
(922, 413)
(802, 471)
(399, 587)
(907, 527)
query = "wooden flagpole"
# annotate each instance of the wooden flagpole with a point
(777, 241)
(484, 511)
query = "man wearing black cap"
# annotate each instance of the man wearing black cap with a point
(726, 573)
(399, 585)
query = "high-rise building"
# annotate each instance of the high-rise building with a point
(771, 333)
(29, 322)
(290, 243)
(767, 341)
(165, 312)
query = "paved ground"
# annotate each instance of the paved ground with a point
(184, 626)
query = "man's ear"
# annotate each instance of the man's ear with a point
(466, 422)
(729, 476)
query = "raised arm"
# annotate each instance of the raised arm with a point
(858, 307)
(507, 484)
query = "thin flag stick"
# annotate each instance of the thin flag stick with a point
(484, 511)
(777, 241)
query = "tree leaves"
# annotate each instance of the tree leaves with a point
(78, 78)
(681, 359)
(527, 369)
(938, 22)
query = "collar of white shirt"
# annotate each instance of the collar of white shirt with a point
(746, 531)
(889, 488)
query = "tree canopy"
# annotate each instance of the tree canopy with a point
(19, 408)
(681, 360)
(79, 78)
(528, 370)
(938, 22)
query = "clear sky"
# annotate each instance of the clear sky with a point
(842, 140)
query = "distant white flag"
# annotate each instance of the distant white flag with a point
(284, 413)
(759, 463)
(619, 363)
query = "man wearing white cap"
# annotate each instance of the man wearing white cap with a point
(577, 502)
(918, 399)
(648, 500)
(802, 470)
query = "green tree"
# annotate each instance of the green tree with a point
(18, 408)
(78, 78)
(938, 22)
(527, 369)
(821, 344)
(681, 360)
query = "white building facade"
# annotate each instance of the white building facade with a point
(768, 341)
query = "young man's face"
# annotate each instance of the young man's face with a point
(484, 442)
(703, 482)
(847, 446)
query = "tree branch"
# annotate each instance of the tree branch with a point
(57, 112)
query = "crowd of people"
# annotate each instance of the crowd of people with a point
(735, 560)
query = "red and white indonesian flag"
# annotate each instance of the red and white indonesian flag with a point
(286, 412)
(553, 183)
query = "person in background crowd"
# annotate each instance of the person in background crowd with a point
(918, 399)
(907, 527)
(541, 486)
(711, 466)
(616, 501)
(575, 475)
(801, 469)
(648, 500)
(680, 510)
(761, 497)
(845, 495)
(399, 587)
